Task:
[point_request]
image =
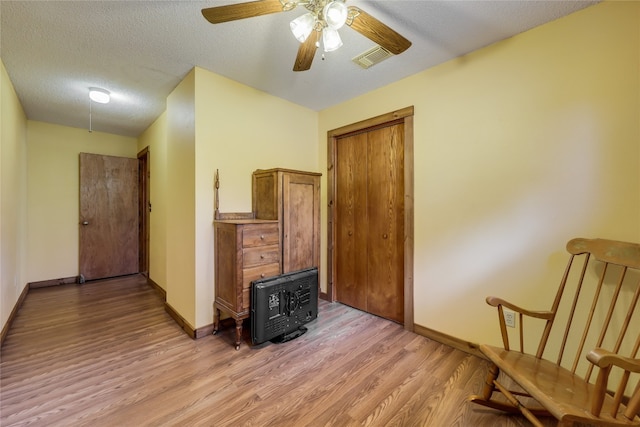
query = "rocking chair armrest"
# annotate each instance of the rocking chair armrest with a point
(496, 302)
(605, 359)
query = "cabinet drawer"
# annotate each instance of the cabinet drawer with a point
(255, 273)
(265, 234)
(261, 272)
(260, 255)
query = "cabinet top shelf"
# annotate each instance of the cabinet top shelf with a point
(287, 170)
(246, 221)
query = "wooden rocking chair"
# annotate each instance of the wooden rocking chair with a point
(599, 322)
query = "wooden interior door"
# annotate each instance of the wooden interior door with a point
(144, 210)
(369, 221)
(108, 216)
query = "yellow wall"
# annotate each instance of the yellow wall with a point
(239, 130)
(53, 193)
(213, 123)
(519, 147)
(13, 197)
(180, 192)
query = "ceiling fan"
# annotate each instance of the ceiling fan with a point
(323, 19)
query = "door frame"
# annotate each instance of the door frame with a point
(406, 116)
(144, 209)
(108, 192)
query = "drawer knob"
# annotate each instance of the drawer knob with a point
(262, 237)
(261, 256)
(262, 275)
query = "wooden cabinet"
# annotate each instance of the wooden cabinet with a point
(280, 235)
(293, 199)
(245, 250)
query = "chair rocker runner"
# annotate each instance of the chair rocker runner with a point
(597, 326)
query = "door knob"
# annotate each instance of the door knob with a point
(85, 222)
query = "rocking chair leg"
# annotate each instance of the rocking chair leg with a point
(484, 399)
(489, 386)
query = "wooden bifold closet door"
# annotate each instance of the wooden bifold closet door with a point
(370, 221)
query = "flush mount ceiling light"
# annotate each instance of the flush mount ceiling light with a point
(101, 96)
(323, 17)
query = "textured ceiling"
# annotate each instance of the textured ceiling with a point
(140, 50)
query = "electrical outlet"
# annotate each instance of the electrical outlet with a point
(509, 318)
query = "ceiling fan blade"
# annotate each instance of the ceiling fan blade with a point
(232, 12)
(306, 52)
(376, 31)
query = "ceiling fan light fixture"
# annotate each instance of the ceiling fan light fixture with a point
(101, 96)
(302, 26)
(335, 14)
(331, 39)
(321, 16)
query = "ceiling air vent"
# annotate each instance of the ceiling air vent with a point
(372, 57)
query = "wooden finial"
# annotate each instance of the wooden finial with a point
(216, 212)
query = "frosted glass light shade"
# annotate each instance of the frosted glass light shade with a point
(335, 14)
(331, 39)
(302, 26)
(101, 96)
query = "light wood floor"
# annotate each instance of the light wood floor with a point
(107, 354)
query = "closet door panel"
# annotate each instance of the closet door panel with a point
(385, 172)
(351, 218)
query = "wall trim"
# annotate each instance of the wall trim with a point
(194, 333)
(23, 295)
(14, 312)
(53, 282)
(442, 338)
(204, 331)
(186, 326)
(181, 321)
(157, 288)
(190, 330)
